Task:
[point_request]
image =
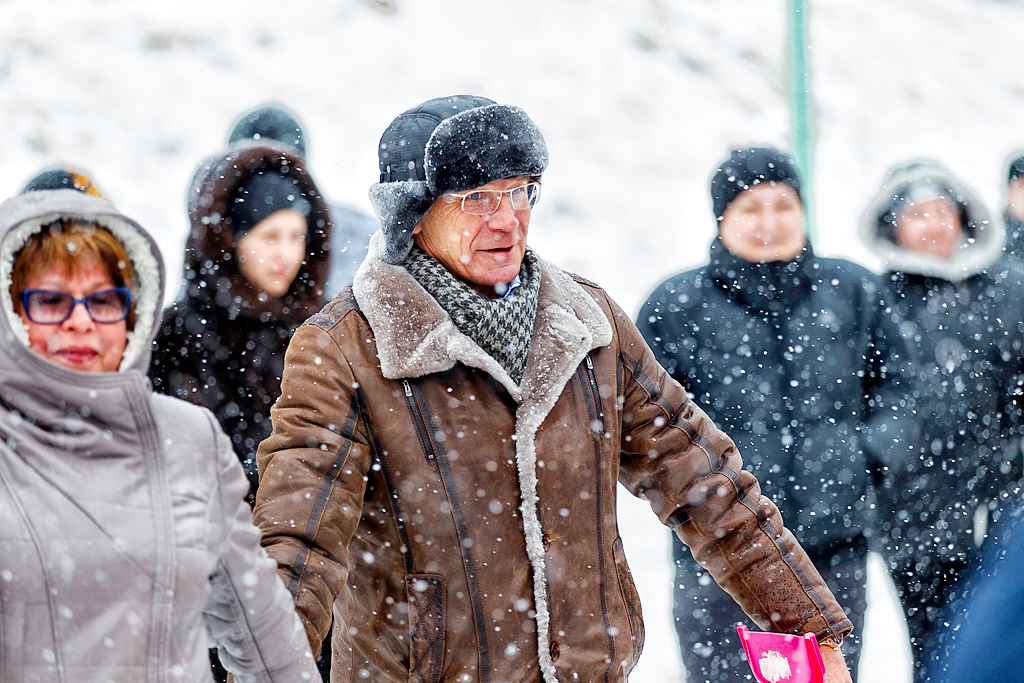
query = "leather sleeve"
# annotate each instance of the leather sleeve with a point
(313, 476)
(691, 473)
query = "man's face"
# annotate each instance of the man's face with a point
(764, 223)
(931, 226)
(483, 251)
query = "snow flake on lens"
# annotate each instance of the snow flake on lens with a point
(774, 667)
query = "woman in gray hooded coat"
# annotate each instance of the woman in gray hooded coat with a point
(126, 545)
(961, 310)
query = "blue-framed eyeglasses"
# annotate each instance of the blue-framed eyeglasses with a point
(48, 307)
(486, 202)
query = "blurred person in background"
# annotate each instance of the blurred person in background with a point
(452, 430)
(988, 642)
(126, 544)
(1013, 214)
(961, 309)
(256, 262)
(350, 229)
(796, 358)
(62, 178)
(255, 265)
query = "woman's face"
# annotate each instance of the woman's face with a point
(78, 343)
(270, 254)
(764, 223)
(931, 227)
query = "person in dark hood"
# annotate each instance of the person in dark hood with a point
(350, 229)
(961, 309)
(1013, 215)
(453, 427)
(255, 266)
(795, 356)
(126, 545)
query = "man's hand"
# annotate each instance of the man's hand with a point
(836, 670)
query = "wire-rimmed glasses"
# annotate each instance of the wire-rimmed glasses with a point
(486, 202)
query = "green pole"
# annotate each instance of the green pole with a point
(801, 104)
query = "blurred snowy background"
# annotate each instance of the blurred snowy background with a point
(639, 101)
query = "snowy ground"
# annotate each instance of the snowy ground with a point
(639, 100)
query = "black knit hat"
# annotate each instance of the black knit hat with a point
(263, 194)
(61, 179)
(444, 145)
(271, 122)
(748, 167)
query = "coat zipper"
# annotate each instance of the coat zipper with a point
(422, 430)
(419, 415)
(597, 393)
(598, 436)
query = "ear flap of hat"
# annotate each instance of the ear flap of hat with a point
(399, 207)
(481, 145)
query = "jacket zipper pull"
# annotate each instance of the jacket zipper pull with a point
(590, 363)
(408, 389)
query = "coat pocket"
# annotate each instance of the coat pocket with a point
(426, 593)
(630, 598)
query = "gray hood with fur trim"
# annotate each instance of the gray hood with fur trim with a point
(24, 215)
(985, 238)
(126, 545)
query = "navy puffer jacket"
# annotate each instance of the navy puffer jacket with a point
(801, 363)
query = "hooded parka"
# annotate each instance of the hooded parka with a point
(126, 546)
(222, 344)
(963, 319)
(800, 363)
(463, 527)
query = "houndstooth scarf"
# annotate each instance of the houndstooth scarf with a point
(502, 327)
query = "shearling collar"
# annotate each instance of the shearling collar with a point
(416, 337)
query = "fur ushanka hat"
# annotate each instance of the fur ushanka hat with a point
(448, 144)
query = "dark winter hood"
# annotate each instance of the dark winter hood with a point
(980, 251)
(23, 216)
(211, 269)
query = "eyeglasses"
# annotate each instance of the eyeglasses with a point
(46, 307)
(486, 202)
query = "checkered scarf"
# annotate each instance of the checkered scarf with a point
(501, 327)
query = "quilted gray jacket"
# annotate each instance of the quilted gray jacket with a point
(126, 548)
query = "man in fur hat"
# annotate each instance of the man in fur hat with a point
(451, 431)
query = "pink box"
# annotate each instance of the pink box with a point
(781, 657)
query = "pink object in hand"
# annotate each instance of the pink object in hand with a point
(782, 658)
